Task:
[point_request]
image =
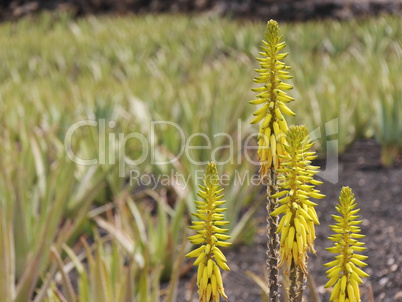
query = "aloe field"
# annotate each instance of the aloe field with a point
(108, 122)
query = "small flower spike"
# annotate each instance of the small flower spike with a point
(297, 186)
(211, 236)
(345, 274)
(273, 98)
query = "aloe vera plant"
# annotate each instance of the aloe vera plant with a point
(271, 137)
(209, 258)
(297, 187)
(344, 273)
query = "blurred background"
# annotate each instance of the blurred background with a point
(278, 10)
(112, 230)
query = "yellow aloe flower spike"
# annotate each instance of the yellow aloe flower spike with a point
(297, 187)
(211, 236)
(345, 274)
(273, 98)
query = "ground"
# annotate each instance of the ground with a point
(378, 192)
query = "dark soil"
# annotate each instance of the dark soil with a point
(378, 193)
(296, 10)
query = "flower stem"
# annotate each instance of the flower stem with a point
(296, 284)
(300, 282)
(293, 283)
(273, 240)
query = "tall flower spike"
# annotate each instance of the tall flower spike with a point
(344, 272)
(211, 236)
(297, 186)
(273, 98)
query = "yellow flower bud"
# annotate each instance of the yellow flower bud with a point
(296, 186)
(344, 272)
(210, 234)
(272, 97)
